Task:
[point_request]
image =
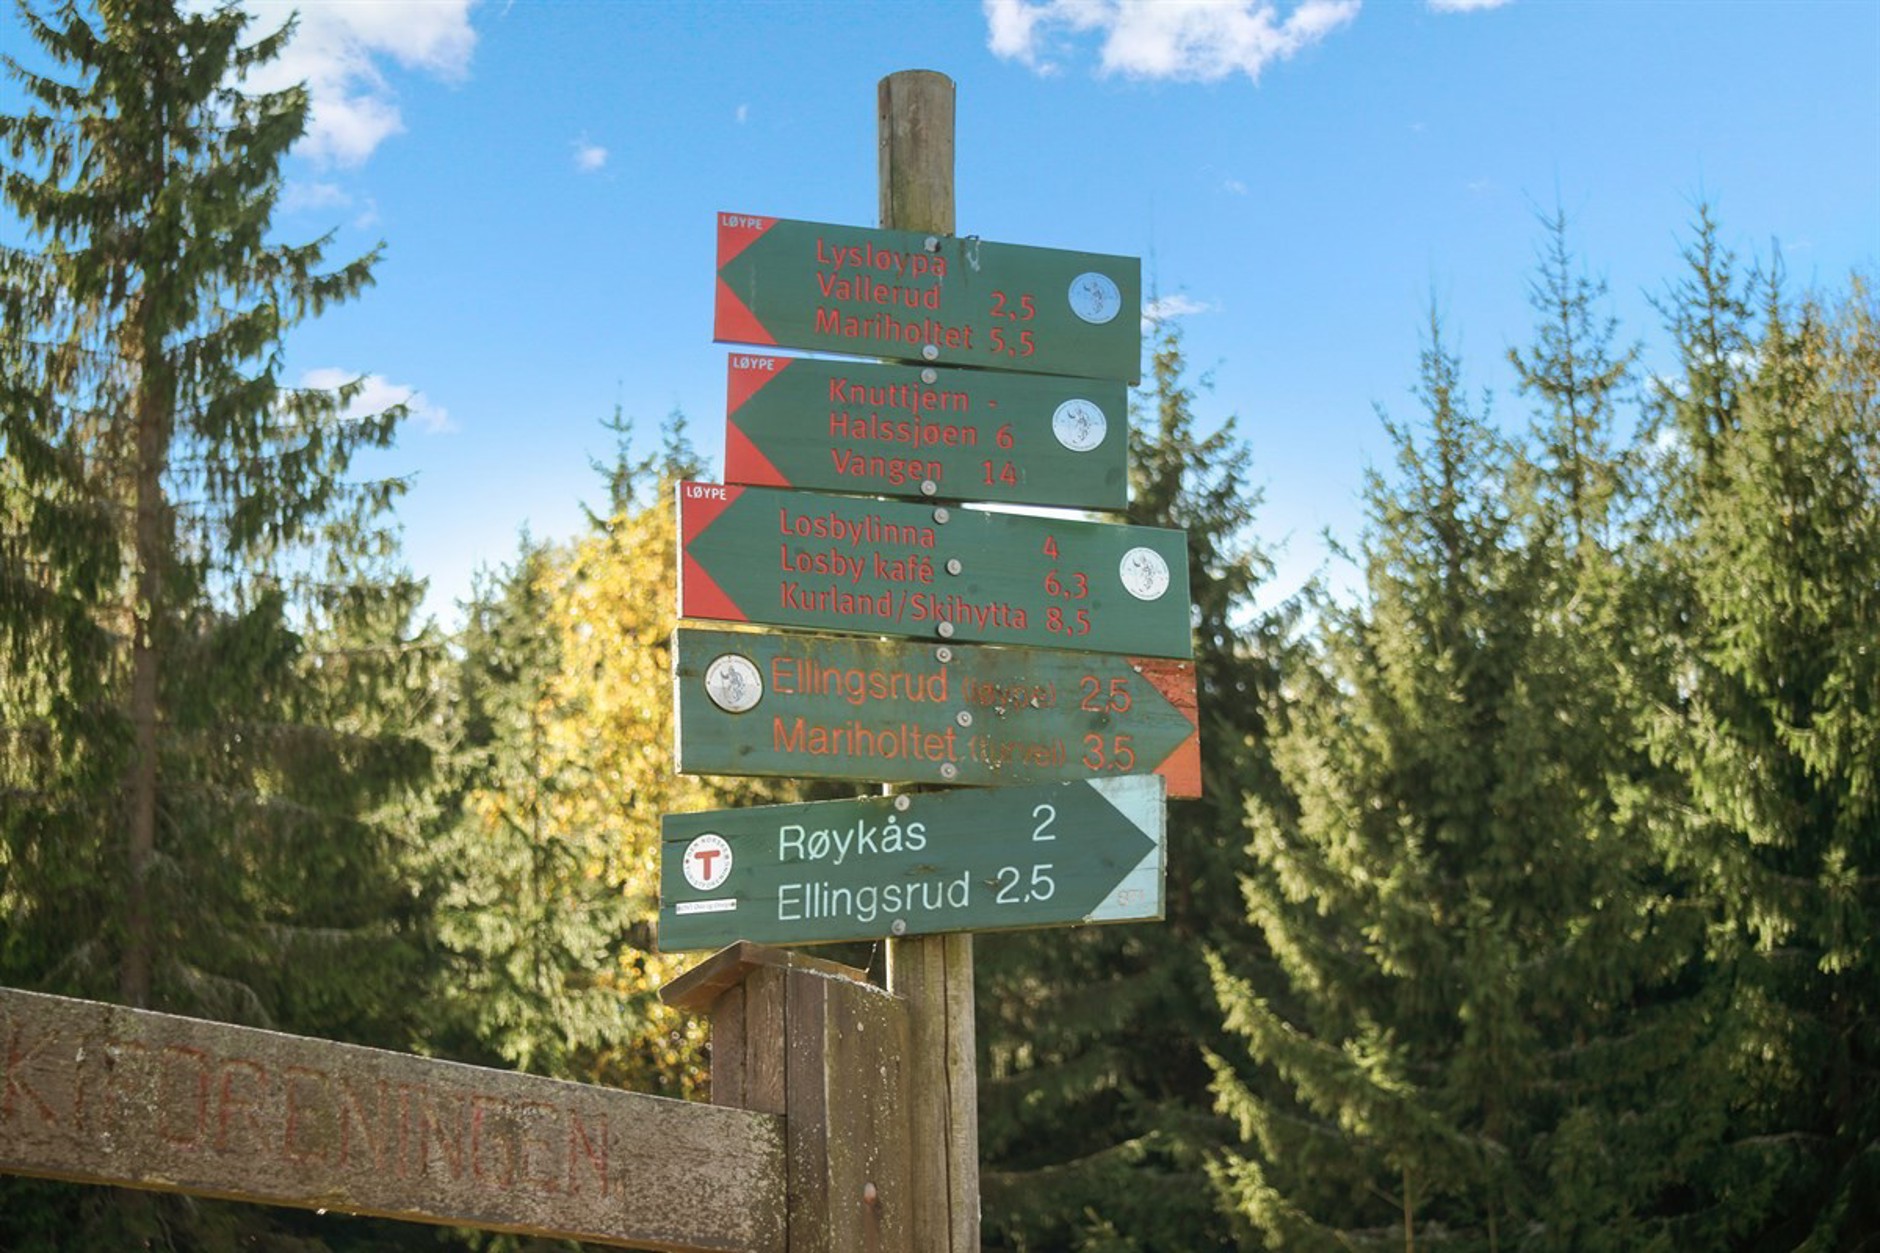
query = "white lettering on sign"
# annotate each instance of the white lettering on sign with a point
(834, 844)
(737, 220)
(813, 899)
(766, 364)
(704, 491)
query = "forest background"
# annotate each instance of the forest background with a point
(1530, 903)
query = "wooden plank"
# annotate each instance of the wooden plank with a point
(895, 567)
(801, 706)
(730, 1048)
(969, 859)
(925, 298)
(104, 1094)
(962, 1089)
(765, 1024)
(866, 1097)
(806, 1117)
(926, 434)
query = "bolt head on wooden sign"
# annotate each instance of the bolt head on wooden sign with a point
(917, 864)
(918, 431)
(938, 299)
(845, 707)
(751, 554)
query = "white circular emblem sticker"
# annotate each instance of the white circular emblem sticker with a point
(1144, 573)
(733, 683)
(1079, 425)
(707, 862)
(1094, 297)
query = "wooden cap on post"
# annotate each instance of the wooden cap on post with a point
(914, 123)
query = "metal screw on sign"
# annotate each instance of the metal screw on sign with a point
(964, 718)
(898, 927)
(928, 487)
(943, 654)
(941, 516)
(946, 630)
(928, 376)
(902, 802)
(954, 566)
(929, 351)
(948, 770)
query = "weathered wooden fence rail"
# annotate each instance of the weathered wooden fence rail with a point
(102, 1094)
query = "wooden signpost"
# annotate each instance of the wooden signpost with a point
(1115, 717)
(927, 433)
(915, 864)
(846, 707)
(837, 563)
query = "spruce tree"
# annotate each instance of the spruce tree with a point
(1474, 1034)
(1094, 1110)
(212, 703)
(1769, 548)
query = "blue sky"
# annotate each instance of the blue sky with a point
(1301, 181)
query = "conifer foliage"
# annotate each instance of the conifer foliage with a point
(1095, 1118)
(1767, 558)
(1570, 887)
(211, 705)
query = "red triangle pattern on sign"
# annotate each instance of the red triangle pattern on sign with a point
(743, 381)
(701, 597)
(746, 464)
(700, 505)
(1175, 680)
(733, 321)
(738, 231)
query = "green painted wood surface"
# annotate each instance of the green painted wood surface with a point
(925, 432)
(846, 707)
(836, 563)
(915, 864)
(887, 293)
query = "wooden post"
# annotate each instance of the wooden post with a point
(817, 1043)
(933, 973)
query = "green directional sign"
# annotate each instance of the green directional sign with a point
(919, 864)
(844, 707)
(902, 430)
(752, 554)
(938, 299)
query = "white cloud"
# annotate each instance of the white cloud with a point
(744, 114)
(1465, 6)
(588, 157)
(338, 51)
(380, 394)
(1164, 308)
(299, 196)
(1234, 185)
(1193, 40)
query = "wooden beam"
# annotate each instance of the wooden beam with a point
(819, 1043)
(914, 128)
(104, 1094)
